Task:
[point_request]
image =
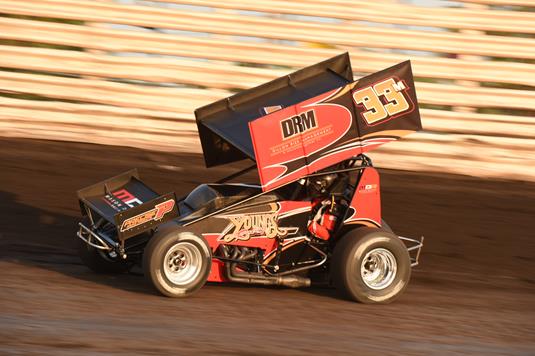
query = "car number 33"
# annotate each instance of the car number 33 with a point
(370, 98)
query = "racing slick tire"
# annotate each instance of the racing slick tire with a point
(98, 262)
(177, 263)
(370, 266)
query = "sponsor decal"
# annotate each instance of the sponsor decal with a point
(367, 188)
(159, 211)
(127, 198)
(121, 200)
(243, 227)
(286, 144)
(382, 101)
(298, 124)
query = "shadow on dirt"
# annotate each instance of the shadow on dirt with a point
(38, 238)
(52, 245)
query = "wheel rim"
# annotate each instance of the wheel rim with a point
(182, 263)
(378, 268)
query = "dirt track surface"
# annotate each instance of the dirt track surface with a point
(474, 292)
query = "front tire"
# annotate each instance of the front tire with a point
(177, 263)
(371, 266)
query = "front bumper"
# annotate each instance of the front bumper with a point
(414, 247)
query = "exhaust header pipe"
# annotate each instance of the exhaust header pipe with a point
(291, 281)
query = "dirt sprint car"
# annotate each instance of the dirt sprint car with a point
(314, 217)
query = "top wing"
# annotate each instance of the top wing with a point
(223, 125)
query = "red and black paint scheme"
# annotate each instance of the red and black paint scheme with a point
(334, 126)
(307, 133)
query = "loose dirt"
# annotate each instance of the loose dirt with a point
(473, 293)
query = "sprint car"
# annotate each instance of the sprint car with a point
(313, 216)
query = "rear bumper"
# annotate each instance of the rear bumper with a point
(414, 247)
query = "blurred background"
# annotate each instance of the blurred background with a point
(131, 72)
(90, 89)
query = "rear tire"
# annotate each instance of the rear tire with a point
(177, 264)
(370, 266)
(386, 227)
(98, 262)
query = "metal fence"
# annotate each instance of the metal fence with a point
(132, 72)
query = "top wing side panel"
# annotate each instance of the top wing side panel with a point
(322, 131)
